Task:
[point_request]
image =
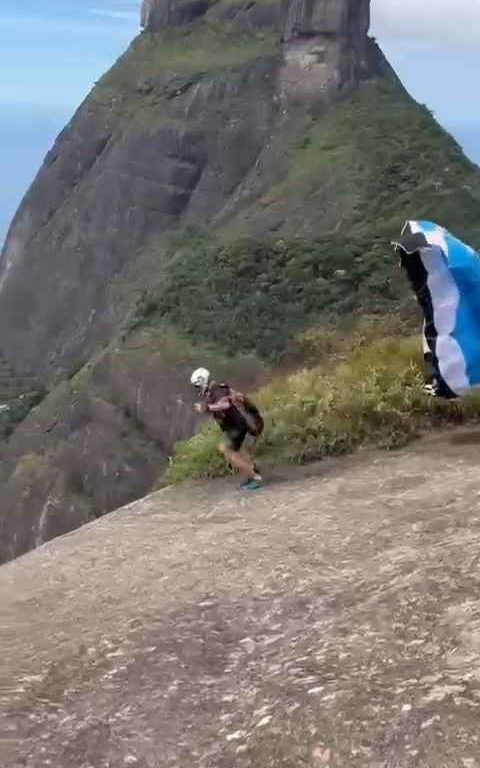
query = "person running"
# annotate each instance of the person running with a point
(237, 417)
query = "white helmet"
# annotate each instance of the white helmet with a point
(201, 379)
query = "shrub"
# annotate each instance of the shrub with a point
(313, 247)
(17, 410)
(374, 397)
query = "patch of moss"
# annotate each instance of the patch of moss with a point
(17, 411)
(374, 161)
(373, 397)
(193, 49)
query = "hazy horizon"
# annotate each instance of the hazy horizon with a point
(53, 52)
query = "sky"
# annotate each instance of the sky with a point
(52, 51)
(436, 52)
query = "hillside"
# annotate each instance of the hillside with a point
(195, 117)
(231, 183)
(331, 620)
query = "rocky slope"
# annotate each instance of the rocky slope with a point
(127, 262)
(332, 620)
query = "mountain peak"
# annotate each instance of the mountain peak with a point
(324, 43)
(291, 18)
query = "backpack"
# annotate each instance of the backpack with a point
(249, 411)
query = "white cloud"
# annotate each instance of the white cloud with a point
(444, 21)
(111, 13)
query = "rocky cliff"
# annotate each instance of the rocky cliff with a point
(175, 134)
(232, 181)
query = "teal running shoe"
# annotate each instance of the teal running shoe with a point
(252, 485)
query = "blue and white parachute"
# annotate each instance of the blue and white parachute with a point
(445, 276)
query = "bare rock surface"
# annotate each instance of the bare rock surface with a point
(331, 619)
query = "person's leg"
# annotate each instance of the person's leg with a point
(233, 454)
(243, 463)
(232, 450)
(248, 452)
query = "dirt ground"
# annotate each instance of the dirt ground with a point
(331, 619)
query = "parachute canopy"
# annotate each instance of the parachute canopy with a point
(445, 276)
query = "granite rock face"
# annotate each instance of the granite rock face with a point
(295, 628)
(111, 182)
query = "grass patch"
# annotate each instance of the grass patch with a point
(378, 158)
(373, 397)
(254, 295)
(138, 93)
(17, 411)
(356, 175)
(199, 48)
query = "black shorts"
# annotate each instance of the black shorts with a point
(235, 438)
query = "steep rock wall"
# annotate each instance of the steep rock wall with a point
(160, 146)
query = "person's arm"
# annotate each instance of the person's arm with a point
(221, 405)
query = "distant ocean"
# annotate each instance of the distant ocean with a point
(26, 134)
(53, 51)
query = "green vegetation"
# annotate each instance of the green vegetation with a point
(192, 49)
(357, 174)
(374, 161)
(373, 396)
(17, 410)
(30, 468)
(251, 295)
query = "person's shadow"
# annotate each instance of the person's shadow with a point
(467, 437)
